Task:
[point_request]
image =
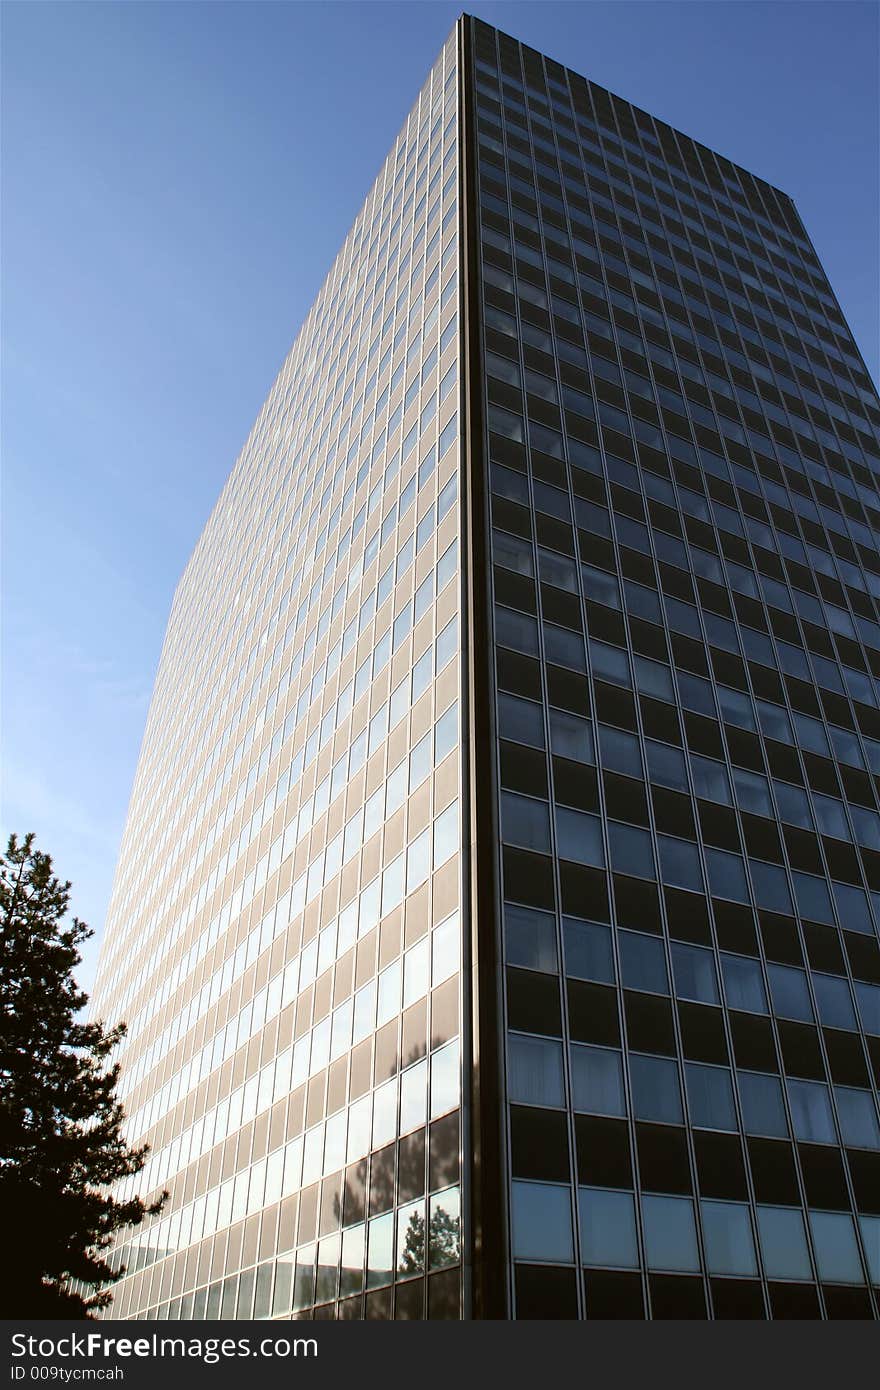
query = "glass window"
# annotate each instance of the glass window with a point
(608, 1228)
(374, 812)
(774, 722)
(736, 708)
(445, 1079)
(420, 762)
(812, 898)
(762, 1104)
(600, 587)
(597, 1080)
(530, 938)
(620, 751)
(535, 1070)
(384, 1114)
(353, 1246)
(642, 962)
(710, 779)
(783, 1243)
(444, 1228)
(571, 737)
(868, 997)
(680, 863)
(445, 949)
(655, 1089)
(630, 850)
(418, 861)
(831, 816)
(666, 766)
(446, 733)
(424, 598)
(653, 678)
(744, 984)
(789, 992)
(512, 553)
(727, 875)
(416, 971)
(380, 1243)
(710, 1096)
(557, 570)
(752, 792)
(542, 1222)
(837, 1253)
(852, 908)
(400, 700)
(449, 492)
(411, 1238)
(670, 1233)
(579, 837)
(858, 1118)
(771, 886)
(870, 1226)
(446, 565)
(421, 673)
(811, 1111)
(793, 804)
(693, 969)
(867, 826)
(589, 953)
(846, 746)
(811, 734)
(304, 1277)
(834, 1002)
(727, 1233)
(446, 834)
(521, 720)
(563, 648)
(525, 821)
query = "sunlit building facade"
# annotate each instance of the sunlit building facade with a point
(497, 915)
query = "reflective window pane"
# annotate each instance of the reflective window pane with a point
(694, 972)
(837, 1253)
(762, 1104)
(744, 984)
(783, 1243)
(655, 1089)
(589, 953)
(535, 1070)
(542, 1222)
(530, 938)
(670, 1233)
(597, 1080)
(811, 1111)
(643, 962)
(727, 1232)
(858, 1117)
(608, 1228)
(710, 1096)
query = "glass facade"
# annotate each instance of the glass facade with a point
(682, 461)
(497, 914)
(284, 931)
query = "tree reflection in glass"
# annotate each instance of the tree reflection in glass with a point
(444, 1233)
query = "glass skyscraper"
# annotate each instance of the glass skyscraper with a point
(497, 914)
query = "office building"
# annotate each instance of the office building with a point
(497, 914)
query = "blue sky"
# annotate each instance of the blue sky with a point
(177, 180)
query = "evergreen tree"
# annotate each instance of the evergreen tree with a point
(61, 1144)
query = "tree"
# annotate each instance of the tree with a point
(61, 1144)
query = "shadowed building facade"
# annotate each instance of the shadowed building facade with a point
(497, 914)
